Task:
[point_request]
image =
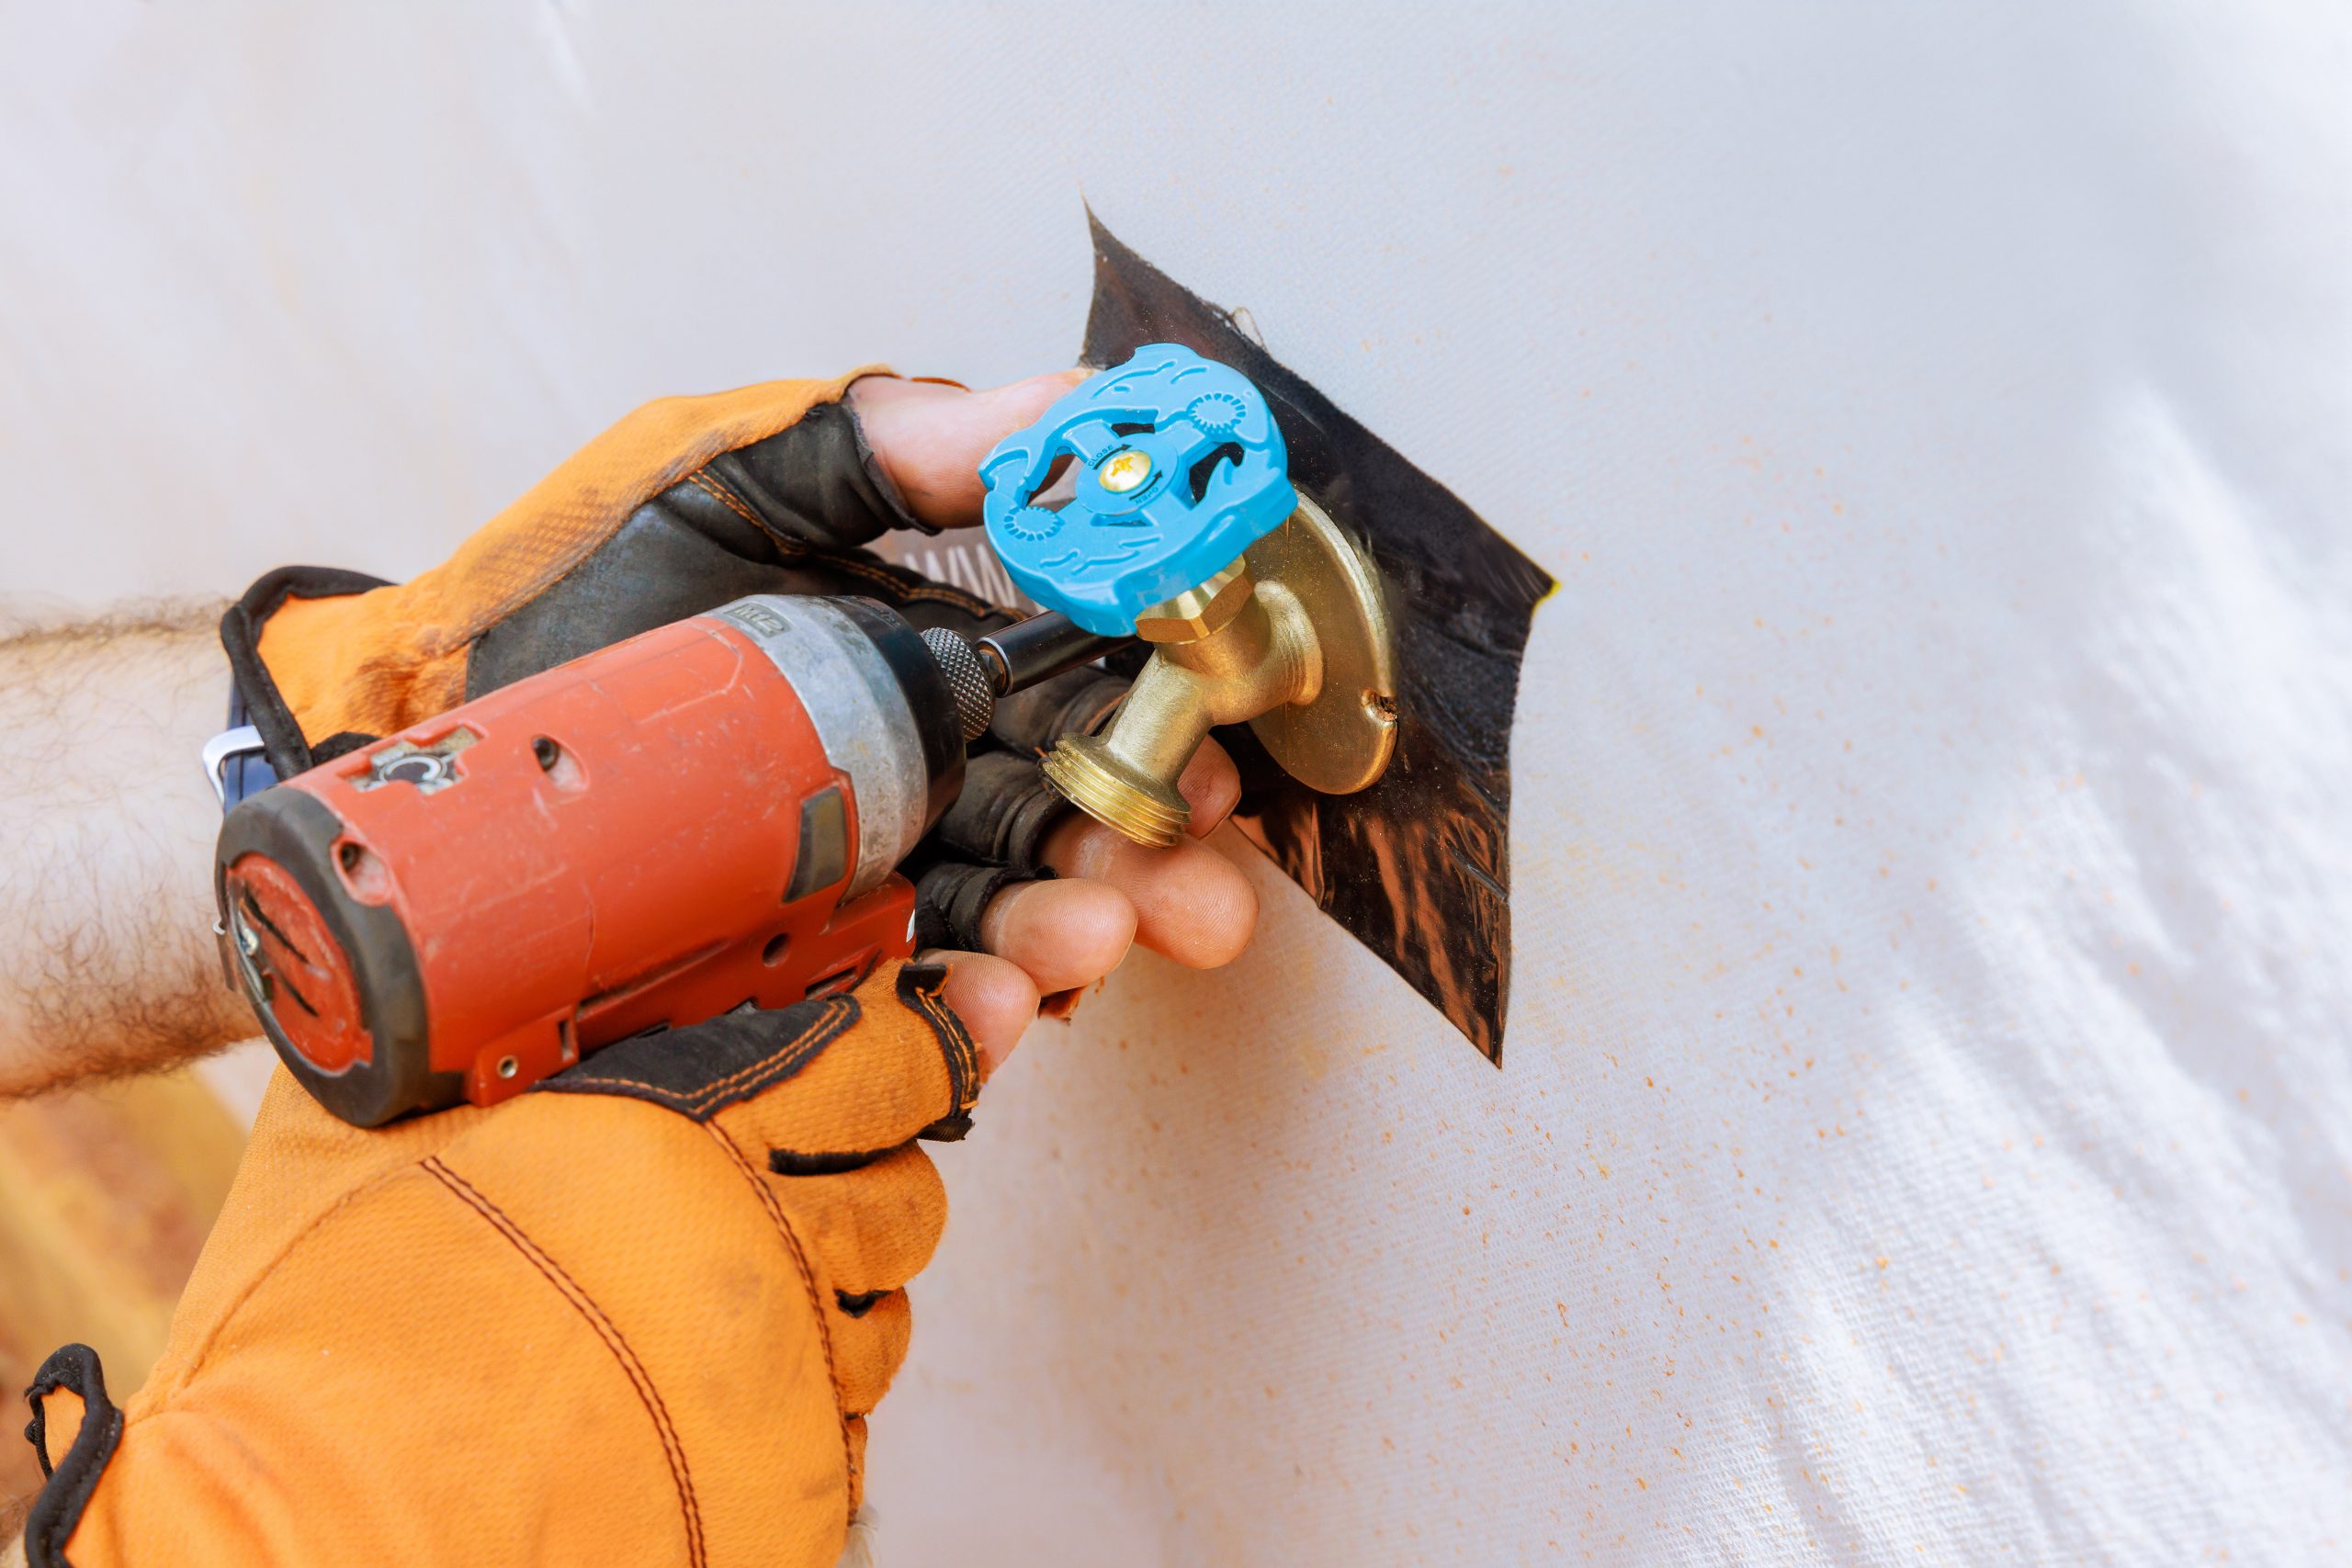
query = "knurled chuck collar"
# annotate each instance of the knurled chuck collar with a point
(966, 677)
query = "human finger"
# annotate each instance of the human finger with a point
(1191, 904)
(1211, 785)
(1064, 934)
(929, 437)
(994, 997)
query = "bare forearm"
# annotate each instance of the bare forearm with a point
(106, 836)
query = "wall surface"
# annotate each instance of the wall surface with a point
(1925, 1123)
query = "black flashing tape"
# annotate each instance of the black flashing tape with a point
(1418, 867)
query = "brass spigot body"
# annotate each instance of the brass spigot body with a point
(1248, 644)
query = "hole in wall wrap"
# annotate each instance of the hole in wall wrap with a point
(1418, 867)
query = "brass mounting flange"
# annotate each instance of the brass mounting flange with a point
(1294, 637)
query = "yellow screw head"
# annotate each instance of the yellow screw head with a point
(1122, 471)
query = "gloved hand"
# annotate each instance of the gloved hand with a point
(635, 1315)
(690, 502)
(640, 1312)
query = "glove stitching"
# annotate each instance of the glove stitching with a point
(901, 588)
(838, 1014)
(673, 1449)
(791, 1237)
(796, 549)
(919, 990)
(904, 583)
(909, 588)
(202, 1351)
(964, 1064)
(701, 479)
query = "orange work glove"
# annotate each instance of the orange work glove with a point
(635, 1316)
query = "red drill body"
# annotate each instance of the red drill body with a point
(700, 817)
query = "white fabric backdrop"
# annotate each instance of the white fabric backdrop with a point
(1927, 1111)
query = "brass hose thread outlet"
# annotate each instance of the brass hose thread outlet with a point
(1293, 638)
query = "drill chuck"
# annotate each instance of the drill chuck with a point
(1011, 659)
(966, 677)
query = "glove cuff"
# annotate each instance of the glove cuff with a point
(283, 743)
(74, 1472)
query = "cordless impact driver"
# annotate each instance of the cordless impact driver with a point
(706, 817)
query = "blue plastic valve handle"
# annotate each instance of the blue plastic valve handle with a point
(1137, 532)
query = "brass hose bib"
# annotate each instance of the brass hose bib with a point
(1293, 639)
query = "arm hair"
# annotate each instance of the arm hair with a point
(107, 962)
